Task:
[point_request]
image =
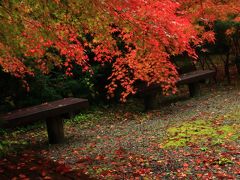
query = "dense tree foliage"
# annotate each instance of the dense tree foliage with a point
(42, 35)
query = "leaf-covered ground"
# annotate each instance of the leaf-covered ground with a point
(196, 138)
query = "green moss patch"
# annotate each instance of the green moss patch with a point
(235, 116)
(200, 131)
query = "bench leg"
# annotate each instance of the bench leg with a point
(194, 89)
(150, 101)
(55, 130)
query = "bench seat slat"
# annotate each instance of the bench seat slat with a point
(44, 111)
(195, 76)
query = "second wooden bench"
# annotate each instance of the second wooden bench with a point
(192, 79)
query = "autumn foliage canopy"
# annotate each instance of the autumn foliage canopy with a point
(152, 32)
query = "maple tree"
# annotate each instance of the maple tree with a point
(152, 31)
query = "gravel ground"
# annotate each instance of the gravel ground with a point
(135, 131)
(129, 142)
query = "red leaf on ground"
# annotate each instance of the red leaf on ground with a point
(43, 173)
(100, 157)
(33, 168)
(1, 170)
(22, 176)
(119, 151)
(62, 169)
(47, 177)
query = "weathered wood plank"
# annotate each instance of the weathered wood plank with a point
(43, 111)
(195, 76)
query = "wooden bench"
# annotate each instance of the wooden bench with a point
(192, 79)
(52, 112)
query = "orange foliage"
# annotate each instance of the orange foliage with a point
(156, 30)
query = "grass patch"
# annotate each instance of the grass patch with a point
(81, 118)
(11, 139)
(224, 161)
